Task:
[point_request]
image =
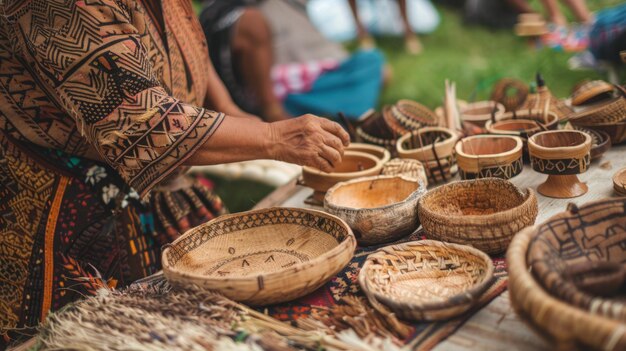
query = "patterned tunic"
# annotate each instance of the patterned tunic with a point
(99, 101)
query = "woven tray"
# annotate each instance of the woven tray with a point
(484, 213)
(261, 257)
(426, 280)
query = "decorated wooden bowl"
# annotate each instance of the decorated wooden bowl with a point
(619, 182)
(565, 325)
(484, 213)
(579, 258)
(354, 165)
(600, 141)
(261, 257)
(480, 112)
(377, 151)
(394, 125)
(562, 155)
(426, 280)
(378, 209)
(433, 146)
(485, 156)
(592, 92)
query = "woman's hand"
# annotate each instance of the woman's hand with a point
(308, 141)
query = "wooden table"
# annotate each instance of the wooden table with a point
(497, 327)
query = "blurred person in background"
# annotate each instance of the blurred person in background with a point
(275, 63)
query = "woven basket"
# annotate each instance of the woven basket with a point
(261, 257)
(480, 112)
(378, 209)
(545, 100)
(592, 92)
(510, 92)
(426, 280)
(616, 131)
(484, 213)
(375, 131)
(619, 182)
(606, 112)
(412, 169)
(486, 156)
(413, 115)
(392, 123)
(567, 326)
(578, 257)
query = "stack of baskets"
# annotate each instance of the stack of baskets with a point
(601, 110)
(566, 276)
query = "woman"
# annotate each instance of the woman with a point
(100, 103)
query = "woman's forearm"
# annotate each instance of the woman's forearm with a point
(236, 139)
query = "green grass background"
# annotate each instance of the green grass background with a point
(472, 56)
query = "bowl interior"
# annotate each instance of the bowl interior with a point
(427, 280)
(473, 198)
(487, 146)
(559, 139)
(373, 193)
(378, 152)
(353, 163)
(515, 125)
(479, 110)
(425, 138)
(256, 243)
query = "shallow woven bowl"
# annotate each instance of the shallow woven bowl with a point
(573, 251)
(616, 131)
(261, 257)
(433, 146)
(353, 165)
(379, 152)
(480, 112)
(484, 213)
(378, 209)
(567, 326)
(619, 182)
(485, 156)
(413, 115)
(426, 280)
(600, 141)
(608, 111)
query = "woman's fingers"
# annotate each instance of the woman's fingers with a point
(334, 142)
(332, 156)
(335, 129)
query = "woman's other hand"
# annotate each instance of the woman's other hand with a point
(308, 141)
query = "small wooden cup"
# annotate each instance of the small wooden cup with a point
(480, 112)
(562, 155)
(485, 156)
(433, 146)
(354, 165)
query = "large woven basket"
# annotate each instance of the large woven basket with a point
(413, 115)
(261, 257)
(579, 257)
(609, 111)
(426, 280)
(378, 209)
(591, 92)
(569, 327)
(484, 213)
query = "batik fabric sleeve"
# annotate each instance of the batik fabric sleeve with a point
(90, 55)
